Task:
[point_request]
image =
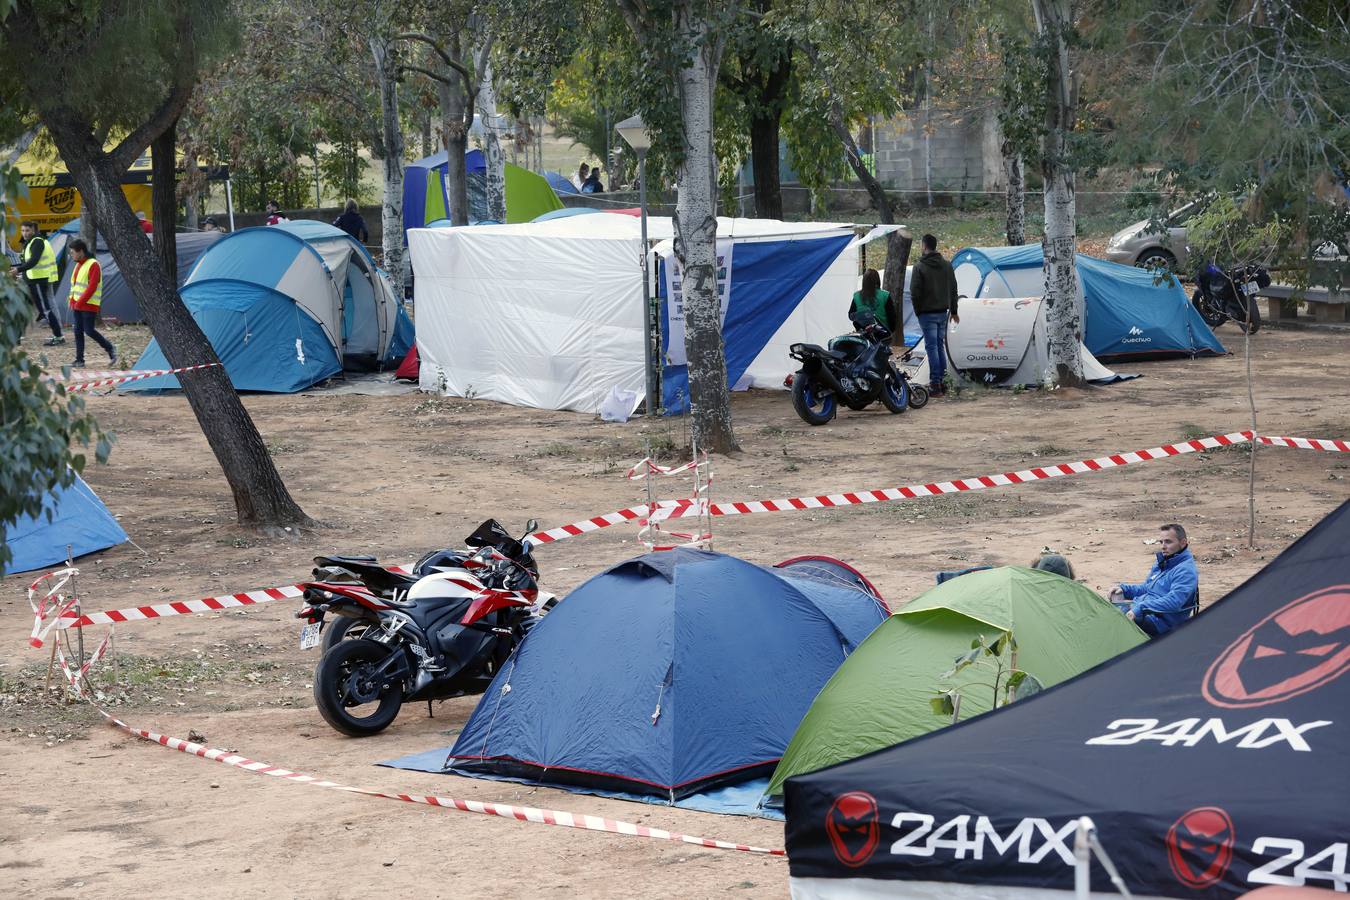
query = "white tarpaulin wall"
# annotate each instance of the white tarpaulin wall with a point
(549, 314)
(1001, 341)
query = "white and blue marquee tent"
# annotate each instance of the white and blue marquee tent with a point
(288, 306)
(1131, 313)
(549, 314)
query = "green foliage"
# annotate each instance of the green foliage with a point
(1009, 682)
(1225, 232)
(39, 421)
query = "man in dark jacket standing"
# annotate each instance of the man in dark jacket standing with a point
(932, 288)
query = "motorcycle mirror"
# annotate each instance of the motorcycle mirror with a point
(531, 526)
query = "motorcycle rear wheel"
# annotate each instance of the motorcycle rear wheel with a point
(805, 400)
(342, 628)
(1252, 324)
(333, 689)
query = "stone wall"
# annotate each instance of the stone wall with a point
(957, 152)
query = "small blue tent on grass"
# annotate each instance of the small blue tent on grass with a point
(287, 306)
(1131, 314)
(666, 675)
(78, 519)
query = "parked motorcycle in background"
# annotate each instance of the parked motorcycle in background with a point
(1222, 295)
(442, 631)
(856, 370)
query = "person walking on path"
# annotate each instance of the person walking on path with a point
(86, 296)
(38, 266)
(932, 288)
(351, 222)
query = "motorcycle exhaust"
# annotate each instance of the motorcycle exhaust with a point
(824, 374)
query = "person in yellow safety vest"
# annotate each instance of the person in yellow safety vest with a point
(38, 266)
(86, 295)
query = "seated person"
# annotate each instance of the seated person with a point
(1053, 562)
(1171, 592)
(872, 302)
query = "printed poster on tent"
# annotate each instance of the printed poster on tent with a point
(675, 300)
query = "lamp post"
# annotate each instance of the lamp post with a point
(634, 133)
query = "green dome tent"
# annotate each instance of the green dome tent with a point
(880, 695)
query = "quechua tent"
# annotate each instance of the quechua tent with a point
(425, 199)
(665, 675)
(78, 519)
(287, 306)
(1212, 761)
(1130, 313)
(881, 694)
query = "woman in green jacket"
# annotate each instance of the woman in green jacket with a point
(872, 301)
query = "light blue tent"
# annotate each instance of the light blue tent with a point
(287, 306)
(78, 520)
(1131, 313)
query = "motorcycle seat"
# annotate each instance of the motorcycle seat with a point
(372, 574)
(821, 351)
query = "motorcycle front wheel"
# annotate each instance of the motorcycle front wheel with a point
(349, 694)
(895, 393)
(1213, 317)
(807, 400)
(918, 396)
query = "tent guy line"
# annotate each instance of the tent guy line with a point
(77, 682)
(688, 507)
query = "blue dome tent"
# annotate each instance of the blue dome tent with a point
(78, 519)
(287, 306)
(1130, 314)
(666, 675)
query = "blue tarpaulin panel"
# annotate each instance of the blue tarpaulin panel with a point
(768, 280)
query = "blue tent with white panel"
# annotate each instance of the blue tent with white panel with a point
(550, 314)
(288, 306)
(1131, 313)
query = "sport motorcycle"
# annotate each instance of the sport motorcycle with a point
(443, 630)
(855, 370)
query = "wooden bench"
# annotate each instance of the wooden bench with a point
(1325, 304)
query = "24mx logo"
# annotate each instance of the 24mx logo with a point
(1189, 732)
(1035, 839)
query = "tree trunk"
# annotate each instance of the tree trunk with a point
(493, 157)
(696, 240)
(764, 128)
(456, 117)
(1064, 315)
(164, 199)
(88, 222)
(898, 245)
(391, 166)
(260, 497)
(1015, 196)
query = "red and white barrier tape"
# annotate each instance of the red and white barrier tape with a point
(51, 616)
(501, 810)
(130, 375)
(683, 508)
(1332, 445)
(651, 531)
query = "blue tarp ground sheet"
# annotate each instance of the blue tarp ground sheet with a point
(736, 800)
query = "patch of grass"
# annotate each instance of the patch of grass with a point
(1050, 450)
(276, 448)
(556, 451)
(772, 430)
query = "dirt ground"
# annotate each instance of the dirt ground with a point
(89, 811)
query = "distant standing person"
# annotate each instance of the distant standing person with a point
(38, 266)
(583, 171)
(351, 222)
(872, 303)
(274, 216)
(592, 183)
(86, 296)
(932, 288)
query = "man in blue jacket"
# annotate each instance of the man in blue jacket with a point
(1171, 592)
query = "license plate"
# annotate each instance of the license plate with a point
(1250, 288)
(309, 636)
